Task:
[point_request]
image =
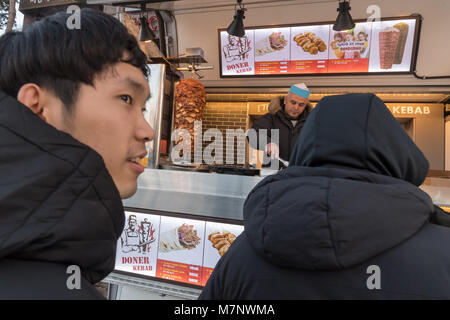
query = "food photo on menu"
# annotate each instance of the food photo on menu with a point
(351, 44)
(183, 237)
(272, 44)
(220, 238)
(392, 45)
(309, 42)
(180, 253)
(309, 49)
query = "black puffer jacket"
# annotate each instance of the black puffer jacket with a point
(288, 133)
(58, 207)
(346, 220)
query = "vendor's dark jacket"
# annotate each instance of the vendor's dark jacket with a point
(277, 119)
(345, 220)
(59, 207)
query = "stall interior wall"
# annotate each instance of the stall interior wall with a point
(427, 131)
(447, 143)
(198, 28)
(425, 124)
(226, 116)
(429, 134)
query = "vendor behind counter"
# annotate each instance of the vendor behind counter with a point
(287, 114)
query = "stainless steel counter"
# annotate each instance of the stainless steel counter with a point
(210, 195)
(196, 193)
(438, 189)
(220, 195)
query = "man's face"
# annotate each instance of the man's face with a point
(294, 105)
(132, 224)
(109, 118)
(232, 40)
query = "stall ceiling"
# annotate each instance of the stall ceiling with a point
(211, 4)
(314, 97)
(181, 5)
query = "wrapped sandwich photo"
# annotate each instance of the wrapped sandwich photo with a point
(179, 238)
(274, 42)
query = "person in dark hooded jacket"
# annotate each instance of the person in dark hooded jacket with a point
(71, 133)
(345, 220)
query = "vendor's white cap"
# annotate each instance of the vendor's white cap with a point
(301, 90)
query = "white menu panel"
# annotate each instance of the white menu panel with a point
(137, 247)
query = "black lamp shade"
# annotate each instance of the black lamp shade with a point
(236, 28)
(145, 33)
(344, 20)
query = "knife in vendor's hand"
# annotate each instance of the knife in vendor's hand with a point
(284, 162)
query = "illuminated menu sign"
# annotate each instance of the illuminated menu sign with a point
(173, 248)
(381, 46)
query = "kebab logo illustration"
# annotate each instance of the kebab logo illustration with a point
(221, 241)
(237, 48)
(137, 239)
(392, 42)
(179, 238)
(310, 43)
(274, 42)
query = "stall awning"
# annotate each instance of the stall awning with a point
(26, 5)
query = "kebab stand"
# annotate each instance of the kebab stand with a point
(184, 218)
(180, 222)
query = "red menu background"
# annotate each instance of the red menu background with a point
(206, 274)
(348, 65)
(179, 272)
(308, 66)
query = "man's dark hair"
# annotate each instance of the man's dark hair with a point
(57, 58)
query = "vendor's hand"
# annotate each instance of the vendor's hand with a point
(272, 150)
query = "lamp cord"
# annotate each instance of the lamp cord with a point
(239, 2)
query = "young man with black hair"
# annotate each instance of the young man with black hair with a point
(72, 132)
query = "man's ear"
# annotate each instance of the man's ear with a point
(33, 97)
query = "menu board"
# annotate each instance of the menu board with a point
(370, 47)
(173, 248)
